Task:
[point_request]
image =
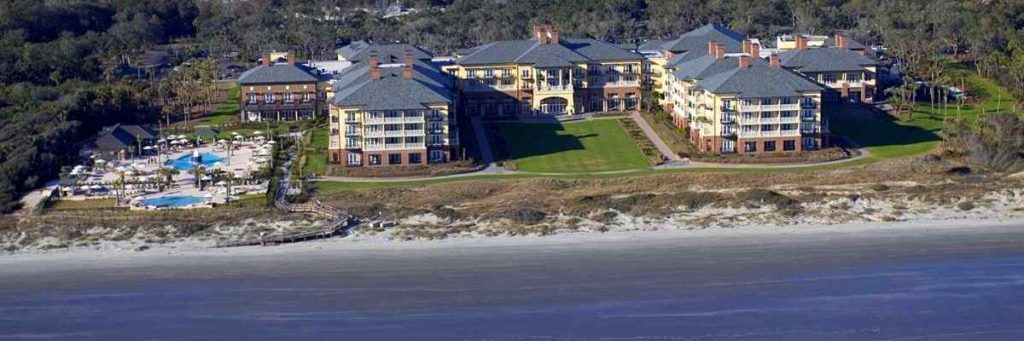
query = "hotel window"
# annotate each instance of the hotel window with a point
(334, 119)
(526, 73)
(750, 147)
(351, 130)
(470, 74)
(435, 139)
(748, 116)
(305, 97)
(789, 113)
(828, 78)
(809, 143)
(789, 127)
(612, 79)
(507, 82)
(613, 103)
(489, 73)
(354, 159)
(352, 142)
(436, 156)
(769, 146)
(788, 100)
(394, 159)
(767, 114)
(269, 97)
(853, 77)
(252, 98)
(415, 158)
(375, 160)
(749, 102)
(525, 105)
(414, 140)
(647, 68)
(594, 69)
(767, 127)
(630, 101)
(335, 131)
(789, 145)
(288, 97)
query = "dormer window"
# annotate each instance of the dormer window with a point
(268, 97)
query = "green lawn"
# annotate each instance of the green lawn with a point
(588, 146)
(316, 152)
(226, 111)
(79, 205)
(920, 134)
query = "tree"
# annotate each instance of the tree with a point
(168, 173)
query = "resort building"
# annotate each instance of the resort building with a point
(281, 90)
(547, 75)
(665, 56)
(121, 141)
(839, 64)
(738, 103)
(392, 106)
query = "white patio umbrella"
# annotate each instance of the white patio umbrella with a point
(129, 186)
(95, 187)
(257, 132)
(206, 178)
(271, 142)
(234, 133)
(222, 141)
(239, 137)
(221, 183)
(175, 142)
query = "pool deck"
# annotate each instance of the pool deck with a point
(242, 161)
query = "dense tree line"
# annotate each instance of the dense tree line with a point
(64, 64)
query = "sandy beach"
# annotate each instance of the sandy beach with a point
(113, 255)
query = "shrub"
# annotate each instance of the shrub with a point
(879, 187)
(767, 197)
(522, 215)
(965, 205)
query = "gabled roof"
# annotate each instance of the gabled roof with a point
(351, 49)
(757, 80)
(850, 43)
(706, 66)
(824, 59)
(697, 39)
(566, 52)
(392, 92)
(276, 74)
(121, 137)
(386, 53)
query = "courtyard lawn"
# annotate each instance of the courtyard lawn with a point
(316, 152)
(588, 146)
(887, 138)
(226, 111)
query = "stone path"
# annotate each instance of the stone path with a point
(653, 136)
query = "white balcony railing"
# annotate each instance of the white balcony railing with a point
(792, 119)
(769, 120)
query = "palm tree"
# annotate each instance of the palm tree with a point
(229, 179)
(198, 172)
(168, 174)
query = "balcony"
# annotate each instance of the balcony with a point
(808, 118)
(351, 133)
(374, 133)
(791, 119)
(554, 88)
(728, 119)
(728, 108)
(769, 120)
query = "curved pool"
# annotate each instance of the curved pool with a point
(172, 201)
(184, 162)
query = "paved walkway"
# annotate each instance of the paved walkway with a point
(653, 136)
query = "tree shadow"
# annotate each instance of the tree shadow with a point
(523, 140)
(870, 127)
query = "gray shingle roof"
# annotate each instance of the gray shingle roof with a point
(121, 137)
(389, 53)
(567, 52)
(697, 39)
(850, 43)
(757, 80)
(392, 92)
(824, 59)
(275, 74)
(351, 49)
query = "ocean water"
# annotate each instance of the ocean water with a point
(948, 288)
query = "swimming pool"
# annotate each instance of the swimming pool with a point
(173, 201)
(184, 162)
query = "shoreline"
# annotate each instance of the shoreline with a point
(357, 246)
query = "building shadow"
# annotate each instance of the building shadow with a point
(871, 127)
(520, 140)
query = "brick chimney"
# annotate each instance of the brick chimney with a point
(749, 47)
(719, 51)
(840, 42)
(374, 68)
(552, 35)
(773, 60)
(744, 62)
(291, 58)
(266, 60)
(541, 33)
(712, 46)
(407, 68)
(801, 42)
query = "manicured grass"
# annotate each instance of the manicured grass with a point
(889, 138)
(225, 112)
(316, 152)
(78, 205)
(588, 146)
